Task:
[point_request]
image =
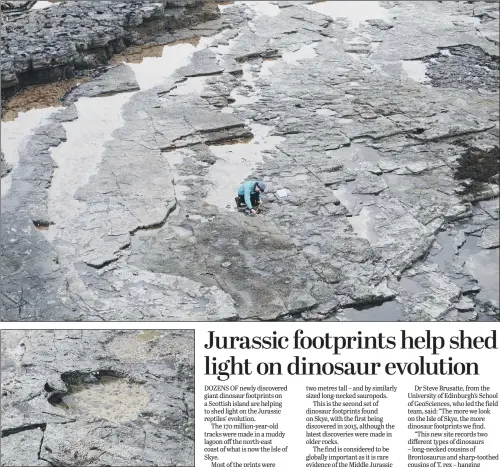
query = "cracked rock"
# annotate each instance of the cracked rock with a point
(113, 398)
(118, 79)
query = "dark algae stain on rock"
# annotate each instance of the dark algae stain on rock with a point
(479, 165)
(69, 399)
(463, 67)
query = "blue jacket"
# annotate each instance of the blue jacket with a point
(248, 189)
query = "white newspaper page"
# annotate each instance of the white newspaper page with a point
(347, 395)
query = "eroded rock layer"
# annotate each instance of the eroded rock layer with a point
(50, 44)
(120, 398)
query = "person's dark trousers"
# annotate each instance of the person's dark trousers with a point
(254, 199)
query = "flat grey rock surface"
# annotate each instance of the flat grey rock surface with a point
(117, 79)
(377, 137)
(94, 398)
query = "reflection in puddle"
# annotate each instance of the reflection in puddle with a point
(39, 97)
(137, 53)
(326, 112)
(174, 159)
(347, 199)
(484, 267)
(411, 285)
(415, 69)
(262, 7)
(41, 5)
(362, 224)
(387, 311)
(223, 5)
(265, 69)
(87, 134)
(305, 51)
(443, 251)
(13, 132)
(153, 71)
(115, 399)
(234, 163)
(355, 12)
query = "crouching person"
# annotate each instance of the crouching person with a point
(250, 194)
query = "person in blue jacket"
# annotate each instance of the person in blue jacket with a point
(250, 193)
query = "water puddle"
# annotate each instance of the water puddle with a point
(115, 399)
(234, 163)
(41, 5)
(484, 266)
(223, 5)
(354, 157)
(137, 53)
(326, 112)
(245, 93)
(355, 12)
(265, 69)
(176, 158)
(262, 8)
(411, 285)
(347, 199)
(92, 129)
(387, 311)
(80, 155)
(415, 70)
(154, 70)
(362, 224)
(39, 97)
(13, 133)
(443, 251)
(305, 51)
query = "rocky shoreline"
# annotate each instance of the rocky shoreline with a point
(383, 199)
(63, 41)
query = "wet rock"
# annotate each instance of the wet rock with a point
(5, 167)
(55, 43)
(118, 79)
(369, 184)
(367, 157)
(30, 180)
(68, 114)
(204, 62)
(380, 24)
(464, 67)
(9, 7)
(22, 448)
(490, 237)
(465, 304)
(478, 165)
(124, 397)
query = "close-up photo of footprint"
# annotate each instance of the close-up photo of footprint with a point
(97, 398)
